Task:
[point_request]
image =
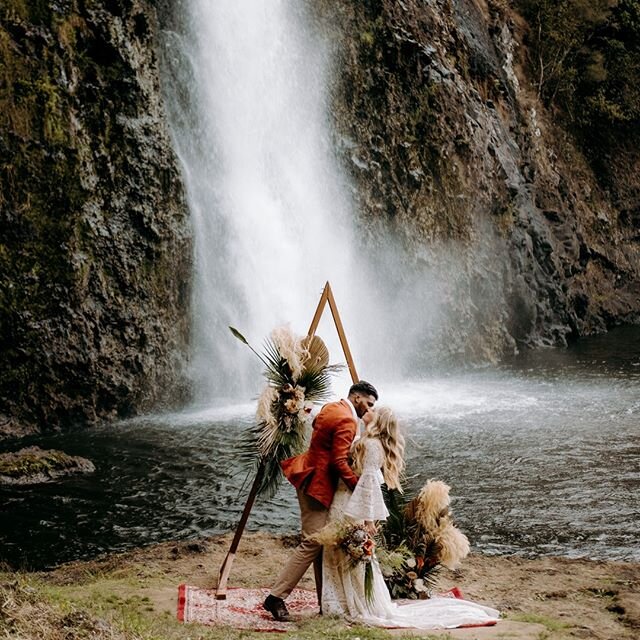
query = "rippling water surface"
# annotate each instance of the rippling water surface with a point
(543, 457)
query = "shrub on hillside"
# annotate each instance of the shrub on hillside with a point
(585, 59)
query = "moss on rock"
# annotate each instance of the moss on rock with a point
(94, 240)
(33, 465)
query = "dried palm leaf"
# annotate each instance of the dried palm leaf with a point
(293, 380)
(317, 353)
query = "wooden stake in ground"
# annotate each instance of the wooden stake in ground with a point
(225, 569)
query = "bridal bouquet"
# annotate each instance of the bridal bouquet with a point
(298, 374)
(357, 545)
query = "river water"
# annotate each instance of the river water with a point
(542, 455)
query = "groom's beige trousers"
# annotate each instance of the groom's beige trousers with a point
(313, 516)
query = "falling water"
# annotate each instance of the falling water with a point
(246, 89)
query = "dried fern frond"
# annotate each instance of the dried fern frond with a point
(283, 446)
(295, 378)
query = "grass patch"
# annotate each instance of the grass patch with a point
(115, 606)
(550, 623)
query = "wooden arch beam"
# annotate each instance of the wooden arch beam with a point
(327, 296)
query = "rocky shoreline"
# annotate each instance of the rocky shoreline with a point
(134, 595)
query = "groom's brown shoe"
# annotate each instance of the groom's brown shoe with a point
(277, 608)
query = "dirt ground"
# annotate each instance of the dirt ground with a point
(545, 598)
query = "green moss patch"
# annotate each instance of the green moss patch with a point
(32, 464)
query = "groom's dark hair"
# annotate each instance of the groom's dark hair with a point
(365, 388)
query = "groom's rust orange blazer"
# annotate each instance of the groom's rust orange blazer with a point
(317, 471)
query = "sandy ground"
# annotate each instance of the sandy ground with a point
(545, 598)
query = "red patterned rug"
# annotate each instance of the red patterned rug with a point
(242, 609)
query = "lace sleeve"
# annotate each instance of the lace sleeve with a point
(367, 502)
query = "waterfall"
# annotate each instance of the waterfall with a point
(246, 88)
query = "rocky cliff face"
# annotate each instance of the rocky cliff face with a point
(451, 151)
(94, 238)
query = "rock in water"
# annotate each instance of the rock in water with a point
(33, 465)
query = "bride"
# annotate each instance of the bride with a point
(377, 458)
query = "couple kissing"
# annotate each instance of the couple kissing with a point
(330, 489)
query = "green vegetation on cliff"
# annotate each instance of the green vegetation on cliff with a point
(94, 247)
(585, 60)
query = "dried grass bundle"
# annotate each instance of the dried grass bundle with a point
(452, 543)
(297, 375)
(431, 504)
(291, 348)
(426, 528)
(264, 411)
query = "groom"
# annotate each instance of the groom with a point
(315, 476)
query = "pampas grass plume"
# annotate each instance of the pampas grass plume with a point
(265, 417)
(291, 348)
(453, 544)
(263, 410)
(431, 502)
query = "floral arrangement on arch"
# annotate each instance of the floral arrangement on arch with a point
(418, 538)
(298, 375)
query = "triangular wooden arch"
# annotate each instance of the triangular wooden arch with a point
(327, 296)
(225, 569)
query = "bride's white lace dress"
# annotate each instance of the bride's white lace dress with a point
(343, 587)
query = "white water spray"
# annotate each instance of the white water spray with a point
(246, 88)
(246, 85)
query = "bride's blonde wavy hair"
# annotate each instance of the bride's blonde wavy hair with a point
(384, 428)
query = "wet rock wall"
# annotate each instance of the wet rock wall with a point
(449, 149)
(94, 235)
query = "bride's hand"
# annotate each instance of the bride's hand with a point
(370, 527)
